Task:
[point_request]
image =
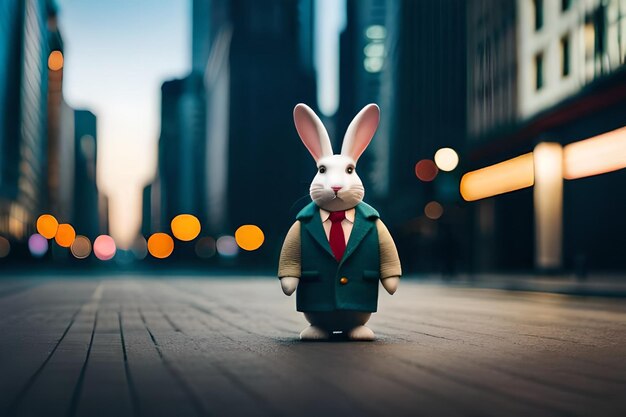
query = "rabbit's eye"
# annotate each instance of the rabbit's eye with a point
(322, 169)
(350, 170)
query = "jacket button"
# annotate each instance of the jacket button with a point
(343, 280)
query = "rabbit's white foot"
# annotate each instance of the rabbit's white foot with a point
(362, 333)
(313, 333)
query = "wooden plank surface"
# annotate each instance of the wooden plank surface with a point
(228, 346)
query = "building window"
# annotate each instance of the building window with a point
(565, 56)
(590, 39)
(538, 8)
(565, 5)
(539, 71)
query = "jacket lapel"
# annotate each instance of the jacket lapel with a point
(360, 229)
(315, 228)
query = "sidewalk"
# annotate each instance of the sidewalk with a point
(598, 285)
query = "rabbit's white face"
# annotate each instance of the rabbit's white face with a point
(336, 186)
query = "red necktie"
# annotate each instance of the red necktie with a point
(337, 239)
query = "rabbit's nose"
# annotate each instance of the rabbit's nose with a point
(336, 189)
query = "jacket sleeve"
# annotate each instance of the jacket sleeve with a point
(389, 259)
(289, 264)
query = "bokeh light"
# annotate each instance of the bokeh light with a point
(205, 247)
(249, 237)
(185, 227)
(139, 248)
(446, 159)
(55, 60)
(37, 245)
(160, 245)
(65, 235)
(104, 247)
(426, 170)
(47, 226)
(81, 247)
(433, 210)
(227, 246)
(5, 247)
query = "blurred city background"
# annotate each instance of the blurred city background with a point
(118, 116)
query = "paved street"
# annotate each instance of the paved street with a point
(189, 347)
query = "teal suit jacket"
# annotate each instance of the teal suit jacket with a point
(321, 287)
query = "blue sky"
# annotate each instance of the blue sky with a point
(117, 55)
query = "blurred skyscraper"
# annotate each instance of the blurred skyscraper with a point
(39, 156)
(85, 196)
(406, 56)
(365, 77)
(256, 58)
(546, 71)
(182, 149)
(23, 90)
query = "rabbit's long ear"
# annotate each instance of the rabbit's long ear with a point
(360, 132)
(312, 131)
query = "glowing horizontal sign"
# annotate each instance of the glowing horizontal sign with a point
(513, 174)
(597, 155)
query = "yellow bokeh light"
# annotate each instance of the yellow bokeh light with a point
(65, 235)
(47, 226)
(185, 227)
(513, 174)
(249, 237)
(55, 60)
(160, 245)
(433, 210)
(446, 159)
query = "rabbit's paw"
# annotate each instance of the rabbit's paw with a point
(313, 333)
(361, 333)
(391, 284)
(289, 284)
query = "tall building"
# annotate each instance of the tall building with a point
(492, 66)
(258, 68)
(569, 82)
(406, 56)
(60, 145)
(365, 77)
(23, 91)
(182, 148)
(85, 195)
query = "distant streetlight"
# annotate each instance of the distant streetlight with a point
(426, 170)
(55, 60)
(433, 210)
(160, 245)
(446, 159)
(104, 247)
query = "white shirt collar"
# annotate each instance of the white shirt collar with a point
(349, 215)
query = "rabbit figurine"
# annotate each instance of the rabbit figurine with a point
(338, 248)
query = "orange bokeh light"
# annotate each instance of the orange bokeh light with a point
(55, 60)
(65, 235)
(249, 237)
(160, 245)
(47, 226)
(185, 227)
